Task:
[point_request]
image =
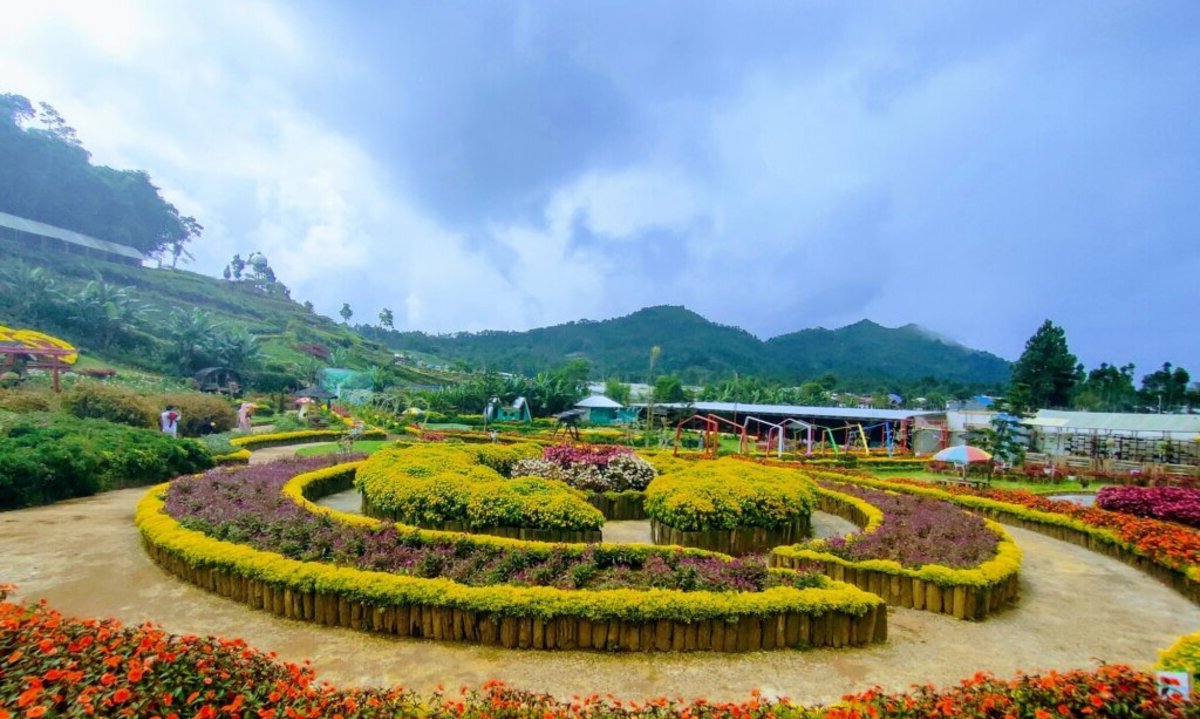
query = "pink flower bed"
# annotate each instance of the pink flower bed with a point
(1173, 504)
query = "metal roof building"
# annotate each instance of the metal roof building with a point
(1175, 426)
(20, 226)
(840, 414)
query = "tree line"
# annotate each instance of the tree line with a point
(1048, 376)
(46, 175)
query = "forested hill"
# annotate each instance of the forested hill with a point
(699, 350)
(47, 175)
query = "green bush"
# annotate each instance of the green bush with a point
(96, 400)
(46, 458)
(22, 401)
(200, 413)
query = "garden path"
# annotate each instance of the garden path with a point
(1076, 608)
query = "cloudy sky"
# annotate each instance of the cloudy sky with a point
(974, 168)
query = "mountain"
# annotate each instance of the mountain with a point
(866, 349)
(699, 350)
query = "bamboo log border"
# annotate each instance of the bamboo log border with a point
(966, 602)
(620, 507)
(831, 629)
(1177, 579)
(736, 542)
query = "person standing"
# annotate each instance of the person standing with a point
(243, 415)
(169, 420)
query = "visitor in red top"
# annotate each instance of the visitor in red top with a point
(169, 420)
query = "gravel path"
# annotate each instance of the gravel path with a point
(1076, 608)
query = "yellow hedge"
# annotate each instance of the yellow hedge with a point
(300, 436)
(383, 589)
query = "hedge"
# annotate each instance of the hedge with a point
(521, 617)
(447, 487)
(727, 494)
(262, 441)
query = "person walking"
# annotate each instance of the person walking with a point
(169, 420)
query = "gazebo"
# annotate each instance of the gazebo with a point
(25, 349)
(218, 379)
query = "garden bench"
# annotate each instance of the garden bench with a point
(976, 483)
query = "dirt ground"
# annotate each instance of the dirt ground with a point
(1076, 609)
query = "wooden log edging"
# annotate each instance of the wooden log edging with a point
(308, 602)
(1177, 579)
(961, 601)
(619, 506)
(736, 542)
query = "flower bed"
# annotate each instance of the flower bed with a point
(540, 617)
(249, 507)
(447, 487)
(277, 439)
(729, 506)
(1167, 551)
(1172, 504)
(613, 477)
(63, 667)
(914, 552)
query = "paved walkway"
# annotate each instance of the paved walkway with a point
(1076, 609)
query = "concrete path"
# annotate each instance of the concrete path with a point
(1076, 608)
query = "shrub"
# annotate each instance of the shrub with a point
(48, 458)
(1182, 656)
(728, 494)
(200, 413)
(22, 401)
(592, 469)
(95, 400)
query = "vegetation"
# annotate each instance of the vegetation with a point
(728, 494)
(1045, 374)
(46, 175)
(697, 350)
(47, 458)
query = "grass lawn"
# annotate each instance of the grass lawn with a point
(1035, 487)
(366, 445)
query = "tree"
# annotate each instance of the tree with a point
(1045, 374)
(236, 267)
(617, 391)
(1166, 389)
(346, 312)
(386, 319)
(1107, 388)
(669, 388)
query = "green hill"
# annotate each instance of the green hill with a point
(149, 308)
(699, 350)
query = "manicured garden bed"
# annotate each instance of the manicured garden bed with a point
(914, 552)
(730, 506)
(823, 613)
(614, 478)
(461, 489)
(1171, 504)
(301, 436)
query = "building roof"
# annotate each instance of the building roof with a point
(1124, 422)
(786, 410)
(75, 238)
(598, 401)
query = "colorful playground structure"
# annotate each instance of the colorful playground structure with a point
(806, 431)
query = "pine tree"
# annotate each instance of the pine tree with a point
(1046, 373)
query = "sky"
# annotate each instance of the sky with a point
(974, 168)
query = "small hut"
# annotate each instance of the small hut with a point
(599, 409)
(218, 379)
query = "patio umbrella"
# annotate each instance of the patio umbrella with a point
(962, 454)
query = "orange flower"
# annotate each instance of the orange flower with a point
(35, 712)
(121, 695)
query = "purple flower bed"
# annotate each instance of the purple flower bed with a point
(1173, 504)
(245, 505)
(916, 531)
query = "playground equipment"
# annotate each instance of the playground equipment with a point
(712, 425)
(777, 432)
(518, 411)
(568, 422)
